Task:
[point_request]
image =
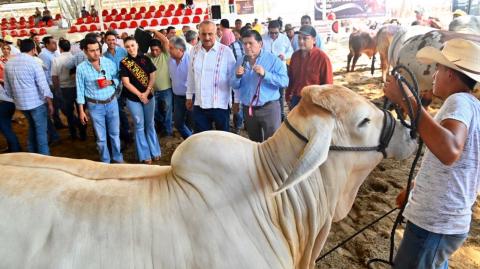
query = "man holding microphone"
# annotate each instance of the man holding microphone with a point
(258, 77)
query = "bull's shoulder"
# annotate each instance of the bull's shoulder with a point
(85, 169)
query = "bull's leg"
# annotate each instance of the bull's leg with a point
(372, 69)
(355, 59)
(384, 66)
(349, 58)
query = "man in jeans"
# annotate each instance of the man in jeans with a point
(178, 69)
(63, 80)
(96, 84)
(26, 84)
(163, 87)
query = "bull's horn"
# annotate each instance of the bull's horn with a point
(314, 154)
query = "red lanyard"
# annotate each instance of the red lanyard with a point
(255, 98)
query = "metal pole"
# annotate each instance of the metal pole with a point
(324, 11)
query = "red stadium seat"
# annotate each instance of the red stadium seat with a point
(168, 13)
(96, 19)
(22, 25)
(178, 12)
(142, 9)
(133, 24)
(158, 14)
(123, 25)
(128, 17)
(181, 6)
(114, 12)
(161, 8)
(206, 18)
(185, 20)
(33, 31)
(93, 28)
(104, 13)
(31, 24)
(4, 33)
(175, 21)
(12, 19)
(152, 9)
(42, 31)
(73, 29)
(4, 27)
(23, 33)
(164, 22)
(138, 16)
(50, 23)
(105, 26)
(108, 18)
(123, 11)
(198, 11)
(188, 12)
(4, 20)
(12, 27)
(148, 15)
(133, 10)
(144, 23)
(79, 21)
(118, 17)
(14, 33)
(89, 20)
(196, 19)
(58, 17)
(171, 7)
(113, 26)
(22, 19)
(206, 10)
(154, 22)
(83, 28)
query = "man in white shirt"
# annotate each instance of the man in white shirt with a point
(278, 44)
(439, 209)
(212, 64)
(63, 79)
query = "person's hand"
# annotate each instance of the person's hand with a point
(189, 104)
(259, 70)
(108, 82)
(143, 98)
(401, 198)
(235, 108)
(393, 92)
(281, 56)
(240, 71)
(83, 117)
(51, 110)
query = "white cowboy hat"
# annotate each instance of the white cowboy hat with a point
(458, 54)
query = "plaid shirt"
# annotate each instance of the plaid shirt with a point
(87, 77)
(25, 82)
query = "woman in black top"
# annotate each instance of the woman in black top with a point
(138, 75)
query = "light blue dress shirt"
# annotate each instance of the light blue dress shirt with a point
(87, 76)
(276, 77)
(120, 53)
(281, 45)
(178, 74)
(47, 58)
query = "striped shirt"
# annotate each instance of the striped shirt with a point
(25, 82)
(87, 76)
(178, 74)
(237, 49)
(47, 58)
(209, 73)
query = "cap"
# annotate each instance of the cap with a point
(307, 30)
(289, 27)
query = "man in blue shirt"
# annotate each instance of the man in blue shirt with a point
(116, 53)
(258, 77)
(96, 84)
(26, 84)
(306, 20)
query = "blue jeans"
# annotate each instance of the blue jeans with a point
(7, 109)
(180, 114)
(124, 125)
(145, 136)
(163, 110)
(294, 101)
(105, 119)
(203, 119)
(37, 129)
(421, 249)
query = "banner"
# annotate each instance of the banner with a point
(244, 7)
(345, 9)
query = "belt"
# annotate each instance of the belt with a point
(264, 105)
(102, 102)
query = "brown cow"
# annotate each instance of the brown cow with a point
(384, 39)
(361, 42)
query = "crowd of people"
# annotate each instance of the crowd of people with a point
(192, 81)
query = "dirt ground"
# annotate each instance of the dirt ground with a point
(376, 196)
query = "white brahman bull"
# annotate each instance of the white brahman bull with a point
(408, 41)
(215, 207)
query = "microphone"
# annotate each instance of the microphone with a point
(244, 64)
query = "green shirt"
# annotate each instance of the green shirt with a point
(162, 77)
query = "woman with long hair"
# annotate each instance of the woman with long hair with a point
(138, 75)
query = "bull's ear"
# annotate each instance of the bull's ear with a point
(315, 153)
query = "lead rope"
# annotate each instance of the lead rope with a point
(413, 133)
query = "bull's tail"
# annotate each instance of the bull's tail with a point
(372, 69)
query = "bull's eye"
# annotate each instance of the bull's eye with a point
(364, 122)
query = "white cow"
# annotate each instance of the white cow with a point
(215, 207)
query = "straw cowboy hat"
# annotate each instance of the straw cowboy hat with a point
(458, 54)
